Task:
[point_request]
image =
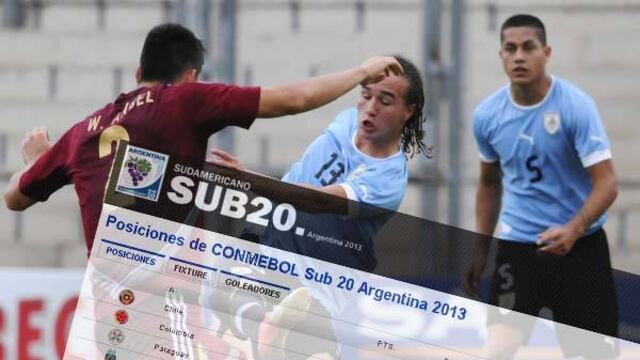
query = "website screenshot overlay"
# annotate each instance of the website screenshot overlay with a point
(193, 261)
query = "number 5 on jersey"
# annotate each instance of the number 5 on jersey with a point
(535, 170)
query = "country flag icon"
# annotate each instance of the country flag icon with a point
(110, 355)
(121, 317)
(126, 297)
(116, 336)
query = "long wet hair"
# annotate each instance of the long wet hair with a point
(413, 134)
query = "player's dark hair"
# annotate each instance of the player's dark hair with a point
(412, 133)
(168, 51)
(525, 20)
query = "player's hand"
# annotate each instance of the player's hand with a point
(223, 158)
(558, 240)
(379, 67)
(35, 143)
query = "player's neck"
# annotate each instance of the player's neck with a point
(531, 94)
(375, 149)
(148, 84)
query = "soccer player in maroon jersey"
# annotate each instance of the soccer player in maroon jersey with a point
(170, 112)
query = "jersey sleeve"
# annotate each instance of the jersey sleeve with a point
(382, 186)
(485, 150)
(344, 125)
(49, 173)
(213, 106)
(589, 137)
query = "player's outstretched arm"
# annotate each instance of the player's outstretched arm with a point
(309, 94)
(13, 198)
(35, 143)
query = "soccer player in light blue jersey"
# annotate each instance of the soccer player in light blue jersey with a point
(546, 181)
(335, 162)
(362, 157)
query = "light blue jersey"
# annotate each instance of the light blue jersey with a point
(333, 158)
(543, 150)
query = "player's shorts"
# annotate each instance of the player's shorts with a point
(577, 288)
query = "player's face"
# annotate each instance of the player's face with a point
(523, 56)
(382, 110)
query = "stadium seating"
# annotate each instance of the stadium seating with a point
(74, 58)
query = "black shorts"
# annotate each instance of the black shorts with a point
(577, 288)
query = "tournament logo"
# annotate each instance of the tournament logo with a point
(551, 122)
(121, 317)
(126, 297)
(142, 173)
(116, 337)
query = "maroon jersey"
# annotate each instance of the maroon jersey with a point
(173, 119)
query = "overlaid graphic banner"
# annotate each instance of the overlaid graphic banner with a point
(193, 261)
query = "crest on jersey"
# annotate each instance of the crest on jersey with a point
(142, 173)
(551, 122)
